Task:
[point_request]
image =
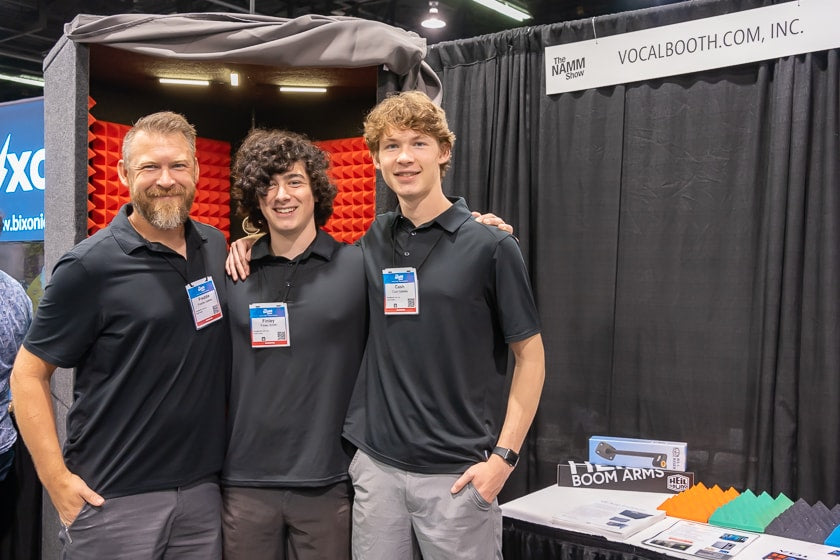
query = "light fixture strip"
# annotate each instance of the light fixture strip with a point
(23, 79)
(302, 89)
(505, 9)
(184, 82)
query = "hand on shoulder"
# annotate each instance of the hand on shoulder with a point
(490, 219)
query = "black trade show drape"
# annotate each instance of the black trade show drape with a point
(682, 238)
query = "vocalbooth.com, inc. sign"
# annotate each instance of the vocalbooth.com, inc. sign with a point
(748, 36)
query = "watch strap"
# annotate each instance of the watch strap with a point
(510, 456)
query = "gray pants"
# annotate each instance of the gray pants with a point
(397, 514)
(183, 524)
(280, 523)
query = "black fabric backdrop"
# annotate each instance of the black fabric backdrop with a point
(682, 237)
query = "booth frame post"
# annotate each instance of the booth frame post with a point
(386, 201)
(66, 76)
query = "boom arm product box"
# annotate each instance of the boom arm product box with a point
(639, 453)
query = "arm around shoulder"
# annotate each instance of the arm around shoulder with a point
(237, 264)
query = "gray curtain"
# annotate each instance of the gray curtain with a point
(682, 237)
(310, 41)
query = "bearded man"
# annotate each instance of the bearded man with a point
(137, 309)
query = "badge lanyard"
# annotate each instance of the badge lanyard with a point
(401, 284)
(270, 321)
(201, 293)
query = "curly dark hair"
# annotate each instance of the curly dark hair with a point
(264, 153)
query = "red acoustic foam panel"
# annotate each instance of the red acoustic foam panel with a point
(352, 172)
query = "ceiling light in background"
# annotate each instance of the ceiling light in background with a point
(23, 79)
(433, 21)
(302, 89)
(234, 79)
(505, 9)
(184, 82)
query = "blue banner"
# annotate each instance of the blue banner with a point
(22, 170)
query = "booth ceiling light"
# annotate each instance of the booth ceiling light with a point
(234, 79)
(23, 79)
(184, 82)
(505, 9)
(433, 21)
(302, 89)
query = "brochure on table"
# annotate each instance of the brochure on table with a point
(609, 519)
(543, 505)
(704, 541)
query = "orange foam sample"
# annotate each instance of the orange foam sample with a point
(697, 503)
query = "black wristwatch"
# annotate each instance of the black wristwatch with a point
(510, 456)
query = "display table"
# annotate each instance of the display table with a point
(529, 533)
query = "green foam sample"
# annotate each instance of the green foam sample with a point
(749, 512)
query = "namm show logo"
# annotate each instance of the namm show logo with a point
(568, 68)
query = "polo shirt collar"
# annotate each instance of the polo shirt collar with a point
(450, 219)
(323, 246)
(129, 240)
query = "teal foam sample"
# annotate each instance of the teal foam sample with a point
(749, 512)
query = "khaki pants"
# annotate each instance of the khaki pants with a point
(399, 514)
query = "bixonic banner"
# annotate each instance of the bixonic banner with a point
(22, 170)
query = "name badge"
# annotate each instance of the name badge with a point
(401, 291)
(269, 325)
(204, 301)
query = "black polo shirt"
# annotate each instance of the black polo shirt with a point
(149, 389)
(430, 396)
(287, 404)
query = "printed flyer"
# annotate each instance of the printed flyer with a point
(701, 540)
